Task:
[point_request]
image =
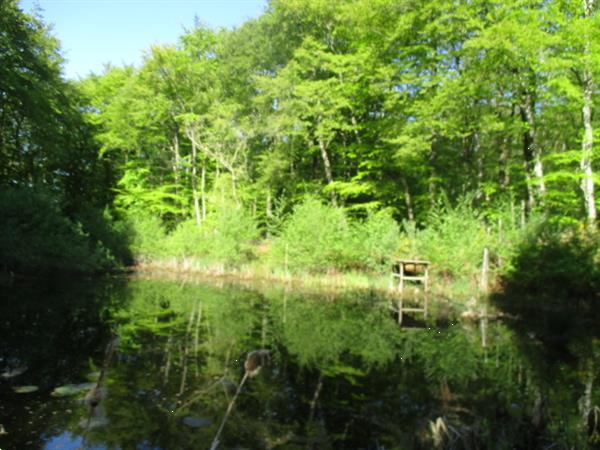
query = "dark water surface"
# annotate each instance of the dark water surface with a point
(342, 373)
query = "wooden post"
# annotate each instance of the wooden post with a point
(415, 271)
(401, 280)
(401, 289)
(400, 305)
(426, 290)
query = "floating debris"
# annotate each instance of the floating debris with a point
(11, 373)
(3, 431)
(195, 421)
(256, 360)
(95, 396)
(25, 389)
(71, 389)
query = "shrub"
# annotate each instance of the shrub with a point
(556, 262)
(375, 241)
(315, 238)
(35, 236)
(147, 236)
(453, 240)
(229, 234)
(186, 240)
(225, 237)
(107, 234)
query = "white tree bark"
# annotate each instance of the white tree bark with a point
(327, 165)
(587, 143)
(194, 182)
(533, 154)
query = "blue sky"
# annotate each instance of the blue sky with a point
(94, 32)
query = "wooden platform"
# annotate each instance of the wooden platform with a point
(411, 270)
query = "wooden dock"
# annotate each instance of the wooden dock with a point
(409, 270)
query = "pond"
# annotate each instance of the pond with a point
(155, 364)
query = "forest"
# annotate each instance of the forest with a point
(249, 190)
(323, 137)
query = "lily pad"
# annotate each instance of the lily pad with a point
(195, 421)
(14, 372)
(71, 389)
(25, 389)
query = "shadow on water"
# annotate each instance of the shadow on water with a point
(341, 373)
(553, 292)
(51, 334)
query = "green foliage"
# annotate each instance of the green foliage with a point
(135, 193)
(231, 233)
(346, 100)
(107, 233)
(319, 237)
(448, 356)
(375, 241)
(453, 240)
(226, 237)
(316, 238)
(147, 236)
(556, 263)
(187, 240)
(35, 236)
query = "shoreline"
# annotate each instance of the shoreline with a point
(249, 275)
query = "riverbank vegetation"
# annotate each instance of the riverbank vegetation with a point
(319, 138)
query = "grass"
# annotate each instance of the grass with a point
(258, 272)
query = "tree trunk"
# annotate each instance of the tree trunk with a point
(176, 165)
(327, 165)
(431, 182)
(533, 161)
(269, 212)
(234, 188)
(587, 143)
(176, 158)
(504, 172)
(315, 399)
(585, 402)
(194, 181)
(408, 201)
(479, 194)
(203, 189)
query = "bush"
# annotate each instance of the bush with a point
(107, 234)
(557, 263)
(147, 236)
(35, 236)
(225, 237)
(315, 238)
(320, 238)
(453, 241)
(229, 234)
(186, 240)
(375, 242)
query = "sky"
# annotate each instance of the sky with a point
(95, 32)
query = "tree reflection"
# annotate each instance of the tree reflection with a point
(342, 374)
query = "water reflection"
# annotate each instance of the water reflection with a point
(341, 373)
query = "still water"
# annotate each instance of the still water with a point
(160, 361)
